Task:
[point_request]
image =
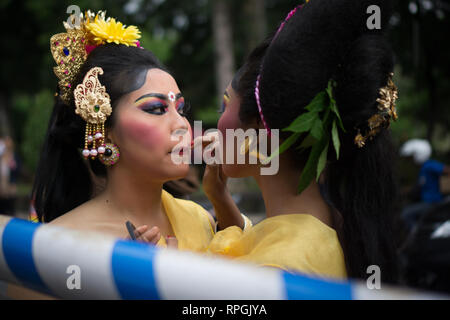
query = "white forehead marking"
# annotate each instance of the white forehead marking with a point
(172, 96)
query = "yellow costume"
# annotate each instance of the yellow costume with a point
(189, 221)
(297, 242)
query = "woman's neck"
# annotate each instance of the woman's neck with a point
(133, 198)
(281, 196)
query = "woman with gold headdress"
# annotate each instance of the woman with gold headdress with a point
(117, 110)
(110, 143)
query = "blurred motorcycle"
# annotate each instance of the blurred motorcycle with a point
(425, 255)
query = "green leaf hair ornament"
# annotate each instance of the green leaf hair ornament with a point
(319, 123)
(322, 122)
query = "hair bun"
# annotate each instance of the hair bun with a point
(364, 71)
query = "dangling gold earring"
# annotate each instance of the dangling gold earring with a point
(245, 148)
(93, 104)
(111, 155)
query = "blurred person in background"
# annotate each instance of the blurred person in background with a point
(9, 170)
(428, 183)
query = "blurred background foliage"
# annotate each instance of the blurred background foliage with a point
(203, 42)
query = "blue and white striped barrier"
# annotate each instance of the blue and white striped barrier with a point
(39, 256)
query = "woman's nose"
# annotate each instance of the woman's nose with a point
(179, 126)
(178, 122)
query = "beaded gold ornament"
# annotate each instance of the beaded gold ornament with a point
(69, 52)
(93, 104)
(110, 156)
(386, 113)
(70, 49)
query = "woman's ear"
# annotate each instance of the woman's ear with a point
(110, 137)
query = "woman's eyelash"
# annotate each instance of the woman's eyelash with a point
(221, 109)
(153, 107)
(183, 108)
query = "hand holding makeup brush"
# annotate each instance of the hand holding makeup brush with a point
(153, 235)
(214, 180)
(215, 188)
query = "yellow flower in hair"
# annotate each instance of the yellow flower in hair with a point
(112, 31)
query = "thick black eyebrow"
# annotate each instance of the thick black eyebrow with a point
(159, 96)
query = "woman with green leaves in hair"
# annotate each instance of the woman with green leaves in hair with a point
(325, 81)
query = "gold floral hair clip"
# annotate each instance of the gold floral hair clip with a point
(386, 113)
(70, 49)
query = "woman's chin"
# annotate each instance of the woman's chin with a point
(234, 170)
(178, 171)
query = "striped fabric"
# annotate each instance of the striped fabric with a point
(43, 257)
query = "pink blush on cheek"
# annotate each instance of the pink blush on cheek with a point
(142, 133)
(230, 117)
(228, 120)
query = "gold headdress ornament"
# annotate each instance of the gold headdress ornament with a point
(386, 112)
(71, 49)
(93, 105)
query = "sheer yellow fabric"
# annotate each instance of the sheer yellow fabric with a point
(297, 242)
(189, 222)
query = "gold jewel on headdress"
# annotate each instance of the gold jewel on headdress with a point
(386, 112)
(71, 49)
(68, 50)
(93, 104)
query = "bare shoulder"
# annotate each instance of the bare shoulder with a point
(91, 216)
(80, 216)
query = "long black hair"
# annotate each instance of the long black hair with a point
(330, 39)
(64, 180)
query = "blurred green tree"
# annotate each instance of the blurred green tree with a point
(36, 122)
(419, 37)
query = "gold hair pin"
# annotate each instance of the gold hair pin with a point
(386, 113)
